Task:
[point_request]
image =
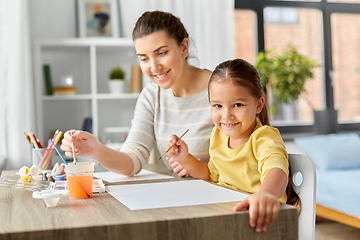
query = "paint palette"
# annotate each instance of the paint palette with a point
(98, 185)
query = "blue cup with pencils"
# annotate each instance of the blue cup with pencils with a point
(43, 158)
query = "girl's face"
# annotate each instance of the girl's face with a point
(161, 58)
(233, 110)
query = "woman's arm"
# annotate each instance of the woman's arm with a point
(115, 161)
(141, 138)
(136, 149)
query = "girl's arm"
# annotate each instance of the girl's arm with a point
(180, 153)
(264, 204)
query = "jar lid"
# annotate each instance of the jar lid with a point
(60, 177)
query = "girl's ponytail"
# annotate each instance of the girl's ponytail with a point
(264, 114)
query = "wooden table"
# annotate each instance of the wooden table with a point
(103, 217)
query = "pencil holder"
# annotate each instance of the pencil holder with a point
(43, 158)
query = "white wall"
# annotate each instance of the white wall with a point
(52, 19)
(57, 18)
(209, 23)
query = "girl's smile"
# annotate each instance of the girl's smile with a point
(229, 125)
(234, 112)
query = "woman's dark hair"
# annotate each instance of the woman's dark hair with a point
(244, 74)
(154, 21)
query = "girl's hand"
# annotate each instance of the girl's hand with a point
(263, 209)
(85, 143)
(177, 168)
(180, 151)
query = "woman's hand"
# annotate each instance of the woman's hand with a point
(263, 209)
(85, 143)
(176, 167)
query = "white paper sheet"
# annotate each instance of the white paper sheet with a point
(172, 194)
(143, 175)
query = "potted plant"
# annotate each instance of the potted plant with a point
(285, 75)
(117, 80)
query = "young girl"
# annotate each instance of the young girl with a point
(245, 152)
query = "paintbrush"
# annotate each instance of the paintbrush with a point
(73, 151)
(173, 144)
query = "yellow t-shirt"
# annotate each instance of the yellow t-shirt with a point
(244, 168)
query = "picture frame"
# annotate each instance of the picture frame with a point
(97, 18)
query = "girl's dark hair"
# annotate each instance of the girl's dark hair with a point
(244, 74)
(154, 21)
(292, 197)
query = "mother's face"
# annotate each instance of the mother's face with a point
(161, 58)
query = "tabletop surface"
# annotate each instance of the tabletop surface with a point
(104, 217)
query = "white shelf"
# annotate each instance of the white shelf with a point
(65, 42)
(67, 97)
(118, 96)
(89, 60)
(90, 96)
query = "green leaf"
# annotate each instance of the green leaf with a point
(285, 73)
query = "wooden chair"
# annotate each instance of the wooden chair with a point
(303, 180)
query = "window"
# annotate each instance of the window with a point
(346, 66)
(305, 36)
(345, 1)
(245, 35)
(281, 15)
(301, 0)
(323, 30)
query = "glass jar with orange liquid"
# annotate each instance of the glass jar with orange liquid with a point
(79, 178)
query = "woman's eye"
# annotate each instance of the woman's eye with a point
(162, 53)
(142, 59)
(238, 105)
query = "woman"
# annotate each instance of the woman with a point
(176, 100)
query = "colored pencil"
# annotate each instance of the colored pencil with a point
(33, 140)
(46, 153)
(48, 159)
(28, 138)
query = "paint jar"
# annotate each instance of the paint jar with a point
(79, 178)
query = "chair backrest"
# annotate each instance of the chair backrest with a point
(303, 181)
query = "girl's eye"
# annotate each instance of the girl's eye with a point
(238, 105)
(217, 106)
(142, 59)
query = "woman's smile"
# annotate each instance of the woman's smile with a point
(161, 76)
